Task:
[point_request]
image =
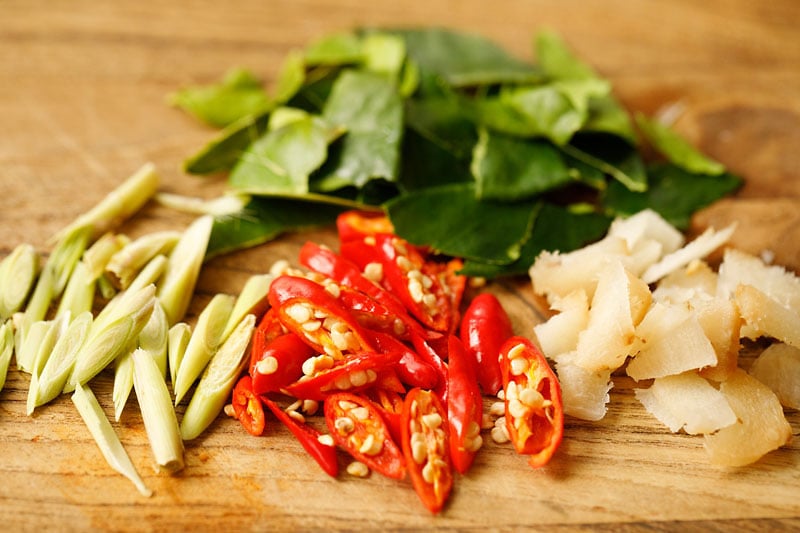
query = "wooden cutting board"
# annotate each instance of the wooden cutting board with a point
(82, 105)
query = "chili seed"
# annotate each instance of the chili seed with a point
(516, 351)
(279, 267)
(299, 313)
(228, 410)
(297, 416)
(361, 413)
(311, 325)
(432, 420)
(369, 239)
(267, 366)
(427, 282)
(344, 425)
(511, 391)
(372, 376)
(486, 421)
(500, 435)
(325, 439)
(415, 289)
(371, 445)
(519, 366)
(374, 272)
(473, 429)
(497, 408)
(429, 300)
(358, 378)
(333, 289)
(342, 382)
(310, 406)
(400, 247)
(500, 422)
(347, 405)
(309, 366)
(516, 409)
(419, 449)
(358, 469)
(531, 397)
(473, 444)
(429, 472)
(398, 327)
(501, 394)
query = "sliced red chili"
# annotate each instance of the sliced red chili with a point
(424, 348)
(412, 369)
(316, 316)
(484, 328)
(309, 438)
(357, 372)
(357, 426)
(426, 448)
(247, 407)
(390, 404)
(534, 412)
(454, 285)
(344, 271)
(464, 407)
(405, 274)
(358, 224)
(279, 363)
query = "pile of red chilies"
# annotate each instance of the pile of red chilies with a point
(376, 333)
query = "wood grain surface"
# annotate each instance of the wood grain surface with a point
(82, 105)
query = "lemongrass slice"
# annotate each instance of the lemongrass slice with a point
(126, 264)
(18, 273)
(183, 268)
(252, 299)
(177, 340)
(59, 365)
(123, 382)
(216, 383)
(98, 255)
(79, 294)
(205, 340)
(153, 337)
(160, 420)
(6, 349)
(110, 446)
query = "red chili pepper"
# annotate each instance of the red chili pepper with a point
(357, 426)
(464, 407)
(309, 438)
(454, 285)
(358, 224)
(247, 407)
(411, 369)
(357, 372)
(279, 363)
(407, 275)
(484, 328)
(344, 271)
(425, 446)
(534, 412)
(390, 404)
(316, 316)
(431, 356)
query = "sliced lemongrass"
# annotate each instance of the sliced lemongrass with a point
(215, 385)
(252, 299)
(183, 269)
(100, 253)
(59, 365)
(148, 276)
(18, 273)
(153, 337)
(123, 382)
(206, 338)
(177, 341)
(31, 343)
(160, 420)
(79, 294)
(110, 336)
(220, 206)
(6, 350)
(106, 288)
(110, 446)
(119, 204)
(55, 330)
(126, 264)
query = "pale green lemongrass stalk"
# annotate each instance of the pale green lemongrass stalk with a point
(18, 272)
(252, 299)
(118, 205)
(126, 264)
(79, 294)
(111, 335)
(55, 330)
(178, 340)
(106, 288)
(154, 337)
(215, 385)
(106, 438)
(29, 346)
(185, 261)
(6, 350)
(59, 365)
(100, 253)
(123, 382)
(160, 420)
(148, 276)
(206, 338)
(227, 204)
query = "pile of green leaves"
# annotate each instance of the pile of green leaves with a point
(470, 150)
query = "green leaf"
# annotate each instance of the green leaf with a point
(673, 192)
(510, 168)
(606, 115)
(336, 49)
(384, 53)
(454, 222)
(282, 160)
(612, 156)
(463, 59)
(239, 94)
(555, 228)
(557, 60)
(222, 152)
(369, 107)
(290, 79)
(675, 148)
(427, 163)
(266, 217)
